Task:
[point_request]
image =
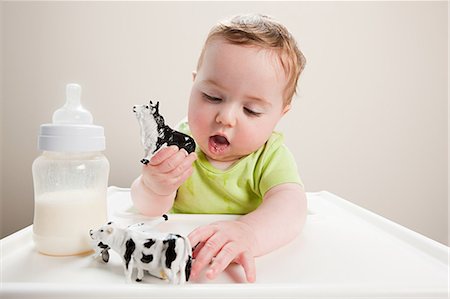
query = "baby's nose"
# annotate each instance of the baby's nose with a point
(226, 117)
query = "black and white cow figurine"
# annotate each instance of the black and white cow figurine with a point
(164, 255)
(155, 133)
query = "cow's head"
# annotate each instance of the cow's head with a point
(146, 110)
(142, 110)
(104, 233)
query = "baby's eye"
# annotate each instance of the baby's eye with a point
(211, 98)
(251, 112)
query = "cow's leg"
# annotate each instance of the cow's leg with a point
(128, 270)
(182, 272)
(140, 274)
(146, 158)
(158, 221)
(148, 226)
(171, 276)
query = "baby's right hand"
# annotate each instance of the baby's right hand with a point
(167, 170)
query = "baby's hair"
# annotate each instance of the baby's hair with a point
(265, 32)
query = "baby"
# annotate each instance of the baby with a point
(246, 77)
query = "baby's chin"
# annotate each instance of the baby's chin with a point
(221, 157)
(221, 151)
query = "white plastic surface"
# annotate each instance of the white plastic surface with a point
(344, 251)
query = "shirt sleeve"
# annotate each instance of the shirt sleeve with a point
(279, 168)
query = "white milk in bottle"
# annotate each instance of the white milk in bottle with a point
(70, 180)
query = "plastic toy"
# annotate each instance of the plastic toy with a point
(155, 133)
(164, 255)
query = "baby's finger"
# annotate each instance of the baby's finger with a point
(185, 165)
(163, 154)
(206, 254)
(226, 255)
(178, 181)
(201, 234)
(197, 249)
(173, 162)
(248, 262)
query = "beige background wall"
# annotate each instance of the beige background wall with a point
(369, 124)
(1, 115)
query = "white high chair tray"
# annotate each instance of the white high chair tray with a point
(344, 251)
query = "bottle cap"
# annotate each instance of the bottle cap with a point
(72, 129)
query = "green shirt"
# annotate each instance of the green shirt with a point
(240, 189)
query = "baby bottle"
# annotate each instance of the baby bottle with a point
(70, 180)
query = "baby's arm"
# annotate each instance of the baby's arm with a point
(154, 191)
(277, 221)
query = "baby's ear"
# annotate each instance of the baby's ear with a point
(286, 109)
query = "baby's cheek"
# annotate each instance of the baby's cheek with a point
(197, 127)
(198, 117)
(250, 140)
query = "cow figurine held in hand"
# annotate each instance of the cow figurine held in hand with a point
(164, 255)
(155, 133)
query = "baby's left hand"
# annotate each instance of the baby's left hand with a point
(225, 242)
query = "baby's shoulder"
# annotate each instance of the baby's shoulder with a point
(275, 141)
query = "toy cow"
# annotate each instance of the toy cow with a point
(155, 133)
(164, 255)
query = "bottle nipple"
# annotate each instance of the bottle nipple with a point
(72, 112)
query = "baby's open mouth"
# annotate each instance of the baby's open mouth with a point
(218, 143)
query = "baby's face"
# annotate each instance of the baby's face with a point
(236, 100)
